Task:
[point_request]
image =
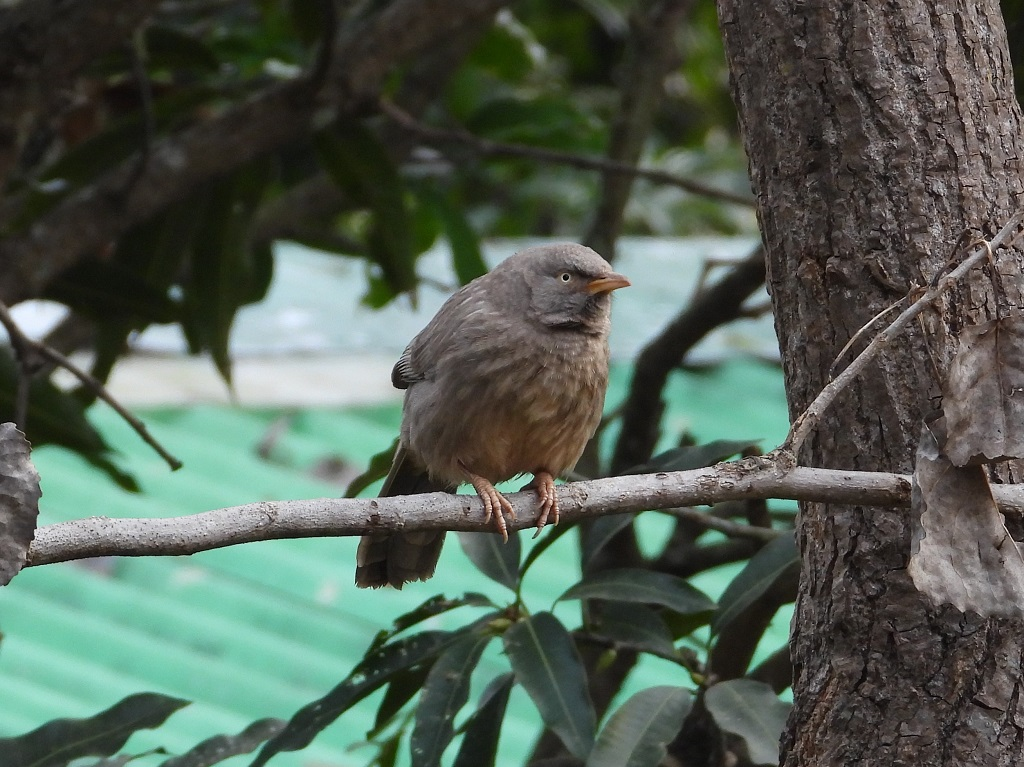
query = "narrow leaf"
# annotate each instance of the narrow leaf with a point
(444, 694)
(549, 668)
(479, 747)
(466, 256)
(601, 531)
(694, 456)
(629, 584)
(19, 501)
(752, 711)
(377, 468)
(436, 605)
(638, 733)
(403, 687)
(762, 570)
(373, 672)
(63, 740)
(221, 747)
(497, 560)
(635, 626)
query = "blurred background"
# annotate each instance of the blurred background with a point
(199, 212)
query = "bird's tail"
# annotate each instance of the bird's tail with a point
(397, 558)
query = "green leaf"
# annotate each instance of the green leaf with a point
(220, 747)
(307, 17)
(497, 560)
(226, 274)
(629, 584)
(549, 668)
(378, 667)
(635, 626)
(378, 468)
(402, 688)
(109, 291)
(465, 245)
(169, 47)
(479, 747)
(361, 167)
(601, 531)
(638, 733)
(63, 740)
(552, 534)
(444, 694)
(694, 456)
(434, 606)
(763, 569)
(752, 711)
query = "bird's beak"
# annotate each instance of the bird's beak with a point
(607, 284)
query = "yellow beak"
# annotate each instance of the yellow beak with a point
(607, 284)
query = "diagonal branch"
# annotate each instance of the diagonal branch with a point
(366, 52)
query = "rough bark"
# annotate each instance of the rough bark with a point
(877, 133)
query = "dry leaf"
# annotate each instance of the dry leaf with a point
(984, 397)
(961, 553)
(19, 501)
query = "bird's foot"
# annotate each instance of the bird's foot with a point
(495, 504)
(544, 484)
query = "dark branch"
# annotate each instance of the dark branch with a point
(713, 306)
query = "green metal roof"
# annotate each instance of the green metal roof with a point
(262, 629)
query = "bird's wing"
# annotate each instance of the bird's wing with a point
(404, 373)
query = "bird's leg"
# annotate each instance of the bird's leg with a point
(495, 504)
(544, 484)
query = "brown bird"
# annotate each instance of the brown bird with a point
(508, 378)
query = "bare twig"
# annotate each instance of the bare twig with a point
(980, 251)
(749, 478)
(25, 349)
(727, 527)
(503, 149)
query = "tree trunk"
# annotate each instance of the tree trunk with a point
(877, 133)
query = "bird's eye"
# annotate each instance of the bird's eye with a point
(565, 276)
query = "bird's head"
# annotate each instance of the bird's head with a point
(569, 286)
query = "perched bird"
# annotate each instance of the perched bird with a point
(507, 379)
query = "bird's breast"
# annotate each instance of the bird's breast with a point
(525, 408)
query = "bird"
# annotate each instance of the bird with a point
(507, 379)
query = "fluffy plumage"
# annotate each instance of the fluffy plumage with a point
(507, 379)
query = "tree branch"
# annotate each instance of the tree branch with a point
(94, 216)
(486, 147)
(754, 477)
(650, 54)
(711, 307)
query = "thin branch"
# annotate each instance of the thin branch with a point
(755, 477)
(28, 351)
(728, 527)
(490, 148)
(713, 306)
(979, 252)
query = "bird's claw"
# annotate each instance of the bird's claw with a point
(495, 505)
(544, 484)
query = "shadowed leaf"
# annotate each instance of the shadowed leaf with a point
(983, 399)
(639, 731)
(378, 468)
(629, 584)
(19, 501)
(635, 626)
(961, 552)
(372, 673)
(63, 740)
(693, 456)
(757, 576)
(601, 531)
(752, 711)
(436, 605)
(444, 694)
(497, 560)
(221, 747)
(547, 665)
(479, 747)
